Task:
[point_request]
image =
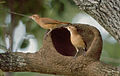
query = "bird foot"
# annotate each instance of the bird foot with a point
(83, 53)
(76, 54)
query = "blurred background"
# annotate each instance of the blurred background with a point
(22, 34)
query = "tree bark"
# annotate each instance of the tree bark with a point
(56, 56)
(106, 12)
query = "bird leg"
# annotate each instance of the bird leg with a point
(76, 52)
(82, 51)
(48, 33)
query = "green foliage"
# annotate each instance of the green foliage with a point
(24, 44)
(30, 74)
(111, 53)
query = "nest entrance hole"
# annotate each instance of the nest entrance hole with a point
(61, 41)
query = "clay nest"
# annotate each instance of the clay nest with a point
(61, 39)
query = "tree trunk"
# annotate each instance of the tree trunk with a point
(106, 12)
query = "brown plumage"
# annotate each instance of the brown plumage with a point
(76, 40)
(46, 23)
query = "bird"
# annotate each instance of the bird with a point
(76, 40)
(47, 23)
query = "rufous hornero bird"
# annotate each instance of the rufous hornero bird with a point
(76, 40)
(47, 23)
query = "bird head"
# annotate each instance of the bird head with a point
(34, 17)
(71, 28)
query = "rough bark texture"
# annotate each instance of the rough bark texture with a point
(106, 12)
(56, 56)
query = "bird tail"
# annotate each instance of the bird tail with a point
(65, 23)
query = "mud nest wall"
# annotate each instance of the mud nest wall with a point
(61, 39)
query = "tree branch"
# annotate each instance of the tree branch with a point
(106, 12)
(56, 56)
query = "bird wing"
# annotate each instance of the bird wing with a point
(52, 21)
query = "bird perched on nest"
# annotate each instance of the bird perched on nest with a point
(76, 40)
(47, 23)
